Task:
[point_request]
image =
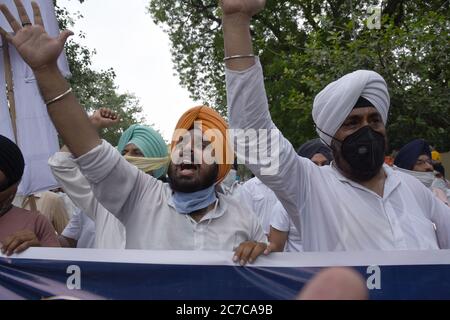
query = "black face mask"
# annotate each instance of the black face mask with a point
(364, 151)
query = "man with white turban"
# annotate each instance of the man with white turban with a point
(356, 203)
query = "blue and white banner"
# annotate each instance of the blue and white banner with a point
(203, 275)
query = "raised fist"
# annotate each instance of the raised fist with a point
(247, 7)
(104, 118)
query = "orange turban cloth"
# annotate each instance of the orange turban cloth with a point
(214, 127)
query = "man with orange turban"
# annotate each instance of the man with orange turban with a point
(200, 152)
(211, 126)
(191, 216)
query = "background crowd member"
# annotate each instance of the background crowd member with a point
(415, 159)
(52, 204)
(19, 228)
(352, 205)
(80, 233)
(140, 145)
(283, 235)
(436, 156)
(441, 181)
(415, 156)
(317, 151)
(260, 199)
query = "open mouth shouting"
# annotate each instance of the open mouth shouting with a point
(187, 169)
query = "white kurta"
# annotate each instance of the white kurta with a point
(261, 199)
(333, 212)
(144, 205)
(280, 220)
(82, 229)
(109, 232)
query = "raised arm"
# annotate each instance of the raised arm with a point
(69, 175)
(277, 164)
(40, 52)
(237, 15)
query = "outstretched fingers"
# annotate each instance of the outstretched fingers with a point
(15, 25)
(23, 15)
(37, 14)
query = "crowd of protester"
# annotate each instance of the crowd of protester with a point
(338, 192)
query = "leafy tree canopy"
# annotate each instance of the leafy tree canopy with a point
(96, 89)
(305, 44)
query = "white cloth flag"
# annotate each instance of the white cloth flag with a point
(36, 135)
(5, 119)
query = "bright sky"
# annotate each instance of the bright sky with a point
(126, 39)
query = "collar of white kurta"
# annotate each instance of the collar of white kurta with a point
(391, 183)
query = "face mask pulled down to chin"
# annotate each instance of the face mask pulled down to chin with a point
(427, 178)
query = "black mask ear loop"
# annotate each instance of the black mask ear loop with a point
(333, 163)
(332, 138)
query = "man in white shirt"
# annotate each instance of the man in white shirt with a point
(356, 203)
(261, 199)
(79, 233)
(185, 215)
(283, 235)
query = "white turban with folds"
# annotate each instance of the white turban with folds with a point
(334, 103)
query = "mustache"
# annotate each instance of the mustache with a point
(188, 166)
